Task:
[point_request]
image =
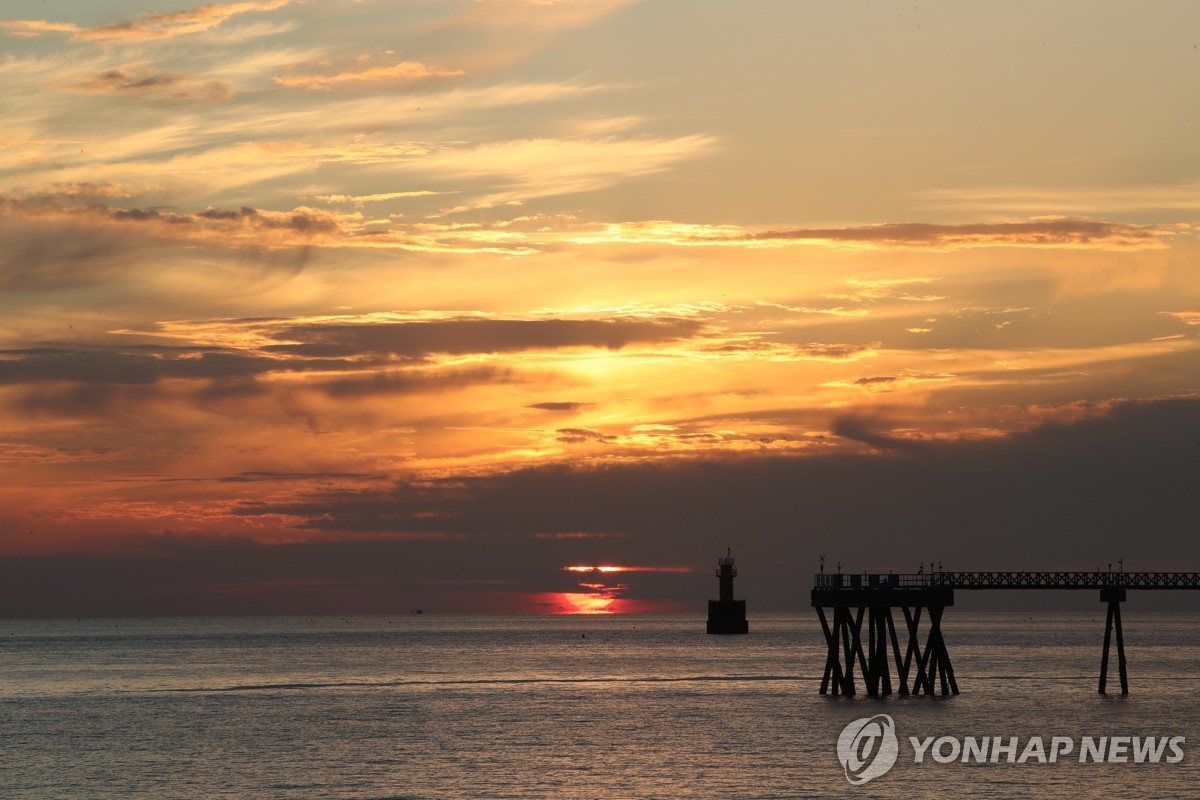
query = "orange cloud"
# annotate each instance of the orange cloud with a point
(535, 15)
(35, 27)
(178, 23)
(147, 27)
(1186, 317)
(402, 71)
(1059, 233)
(360, 199)
(1053, 233)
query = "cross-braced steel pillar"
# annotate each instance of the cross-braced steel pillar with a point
(849, 647)
(1114, 598)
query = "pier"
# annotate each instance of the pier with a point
(924, 667)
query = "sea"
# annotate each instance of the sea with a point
(622, 706)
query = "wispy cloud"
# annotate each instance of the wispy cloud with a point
(112, 191)
(1183, 195)
(534, 15)
(1053, 233)
(365, 74)
(1186, 317)
(32, 28)
(1060, 233)
(370, 198)
(147, 27)
(544, 167)
(417, 339)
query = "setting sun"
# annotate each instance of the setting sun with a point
(582, 603)
(596, 569)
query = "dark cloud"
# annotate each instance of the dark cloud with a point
(141, 365)
(833, 352)
(98, 382)
(878, 379)
(306, 221)
(461, 336)
(89, 189)
(412, 381)
(220, 392)
(1063, 495)
(78, 401)
(157, 86)
(169, 574)
(865, 430)
(559, 406)
(1135, 375)
(580, 435)
(45, 255)
(213, 220)
(117, 80)
(46, 245)
(244, 212)
(144, 214)
(257, 476)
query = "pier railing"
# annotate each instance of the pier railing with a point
(1008, 580)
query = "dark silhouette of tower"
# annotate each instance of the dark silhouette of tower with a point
(727, 615)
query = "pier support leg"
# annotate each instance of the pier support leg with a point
(855, 621)
(939, 657)
(1114, 598)
(843, 646)
(1120, 648)
(883, 617)
(933, 664)
(901, 664)
(912, 657)
(849, 644)
(848, 652)
(876, 673)
(832, 679)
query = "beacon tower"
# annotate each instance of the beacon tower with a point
(727, 615)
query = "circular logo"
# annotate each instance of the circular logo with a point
(867, 748)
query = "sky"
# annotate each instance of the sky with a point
(319, 306)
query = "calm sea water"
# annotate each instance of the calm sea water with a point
(558, 707)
